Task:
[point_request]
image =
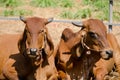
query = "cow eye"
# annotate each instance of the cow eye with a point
(41, 31)
(28, 31)
(93, 35)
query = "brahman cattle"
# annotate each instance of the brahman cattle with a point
(78, 52)
(103, 67)
(35, 60)
(7, 48)
(116, 48)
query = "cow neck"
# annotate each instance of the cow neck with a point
(35, 62)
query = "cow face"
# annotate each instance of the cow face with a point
(95, 37)
(34, 38)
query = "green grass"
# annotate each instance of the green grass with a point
(69, 9)
(91, 8)
(66, 3)
(67, 14)
(53, 3)
(15, 12)
(44, 3)
(79, 14)
(84, 13)
(116, 16)
(10, 3)
(99, 8)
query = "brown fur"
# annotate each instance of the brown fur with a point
(8, 47)
(22, 65)
(103, 67)
(73, 59)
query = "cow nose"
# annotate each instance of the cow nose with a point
(110, 53)
(33, 51)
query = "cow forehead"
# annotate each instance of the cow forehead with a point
(35, 24)
(95, 25)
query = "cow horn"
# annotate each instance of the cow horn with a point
(78, 24)
(50, 20)
(22, 19)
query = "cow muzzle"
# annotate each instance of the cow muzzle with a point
(107, 54)
(33, 52)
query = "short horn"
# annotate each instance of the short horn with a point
(50, 20)
(22, 19)
(78, 24)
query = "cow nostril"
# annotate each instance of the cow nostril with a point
(110, 53)
(33, 51)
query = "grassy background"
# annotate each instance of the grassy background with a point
(59, 9)
(66, 9)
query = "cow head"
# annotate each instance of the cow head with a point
(95, 37)
(35, 40)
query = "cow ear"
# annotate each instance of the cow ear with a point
(49, 20)
(50, 44)
(22, 19)
(22, 42)
(78, 24)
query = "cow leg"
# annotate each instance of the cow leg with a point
(100, 73)
(53, 77)
(102, 68)
(63, 76)
(9, 71)
(10, 74)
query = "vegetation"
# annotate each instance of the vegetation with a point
(10, 8)
(16, 12)
(10, 3)
(66, 3)
(79, 14)
(44, 3)
(69, 9)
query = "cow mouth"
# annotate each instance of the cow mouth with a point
(107, 54)
(34, 55)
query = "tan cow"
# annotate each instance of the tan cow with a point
(35, 60)
(7, 48)
(103, 67)
(78, 52)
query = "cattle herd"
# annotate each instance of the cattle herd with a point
(89, 54)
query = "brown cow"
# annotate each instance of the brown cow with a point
(116, 48)
(78, 52)
(7, 48)
(35, 60)
(103, 67)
